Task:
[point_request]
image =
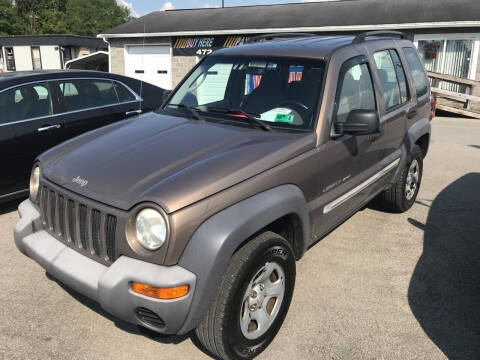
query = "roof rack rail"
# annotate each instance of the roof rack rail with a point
(273, 36)
(363, 36)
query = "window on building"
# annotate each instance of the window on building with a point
(25, 102)
(451, 57)
(417, 71)
(356, 89)
(88, 93)
(2, 66)
(392, 76)
(10, 59)
(36, 58)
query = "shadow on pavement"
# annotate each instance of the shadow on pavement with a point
(444, 291)
(10, 206)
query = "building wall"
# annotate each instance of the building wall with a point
(23, 58)
(50, 57)
(181, 65)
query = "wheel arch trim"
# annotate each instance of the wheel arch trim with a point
(415, 132)
(213, 244)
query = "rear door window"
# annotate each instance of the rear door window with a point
(392, 77)
(124, 95)
(418, 73)
(87, 93)
(25, 102)
(355, 90)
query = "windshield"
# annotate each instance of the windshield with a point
(281, 92)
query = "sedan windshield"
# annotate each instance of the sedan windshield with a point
(280, 92)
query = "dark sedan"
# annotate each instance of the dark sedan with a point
(39, 110)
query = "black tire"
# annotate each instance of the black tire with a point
(220, 332)
(395, 199)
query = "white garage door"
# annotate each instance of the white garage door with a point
(149, 63)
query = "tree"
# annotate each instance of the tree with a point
(91, 17)
(79, 17)
(8, 20)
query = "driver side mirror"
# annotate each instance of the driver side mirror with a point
(360, 122)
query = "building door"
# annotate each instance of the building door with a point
(149, 63)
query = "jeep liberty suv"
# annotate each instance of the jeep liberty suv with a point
(193, 217)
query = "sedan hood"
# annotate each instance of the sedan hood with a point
(169, 160)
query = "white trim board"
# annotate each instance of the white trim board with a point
(430, 25)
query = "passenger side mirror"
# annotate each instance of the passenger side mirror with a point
(360, 122)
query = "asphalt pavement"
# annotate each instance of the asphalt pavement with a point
(381, 286)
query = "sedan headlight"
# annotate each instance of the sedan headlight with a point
(151, 229)
(34, 183)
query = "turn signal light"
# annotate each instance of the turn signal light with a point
(160, 293)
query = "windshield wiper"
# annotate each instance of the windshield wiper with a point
(194, 112)
(241, 114)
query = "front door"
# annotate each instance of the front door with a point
(348, 163)
(28, 127)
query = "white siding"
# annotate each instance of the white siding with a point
(23, 58)
(50, 57)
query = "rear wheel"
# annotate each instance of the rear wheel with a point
(252, 300)
(401, 195)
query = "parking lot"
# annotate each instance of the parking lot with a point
(381, 286)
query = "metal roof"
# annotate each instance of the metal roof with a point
(342, 15)
(58, 40)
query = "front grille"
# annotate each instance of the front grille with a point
(83, 228)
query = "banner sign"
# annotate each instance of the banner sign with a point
(202, 46)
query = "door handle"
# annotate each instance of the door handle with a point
(49, 127)
(411, 113)
(133, 112)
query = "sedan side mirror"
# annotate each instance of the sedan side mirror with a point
(360, 122)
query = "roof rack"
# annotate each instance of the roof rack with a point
(268, 37)
(360, 38)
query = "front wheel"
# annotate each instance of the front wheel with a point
(401, 195)
(252, 300)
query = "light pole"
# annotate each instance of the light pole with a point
(223, 3)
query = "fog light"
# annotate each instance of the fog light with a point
(160, 293)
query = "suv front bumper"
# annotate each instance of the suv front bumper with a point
(110, 286)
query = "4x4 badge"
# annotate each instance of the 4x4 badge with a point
(82, 182)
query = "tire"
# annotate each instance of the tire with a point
(396, 198)
(222, 332)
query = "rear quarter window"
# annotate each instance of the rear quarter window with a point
(417, 71)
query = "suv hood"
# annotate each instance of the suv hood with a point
(169, 160)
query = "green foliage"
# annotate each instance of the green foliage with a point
(91, 17)
(79, 17)
(8, 23)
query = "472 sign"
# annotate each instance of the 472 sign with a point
(203, 46)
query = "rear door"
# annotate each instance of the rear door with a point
(28, 127)
(396, 103)
(88, 104)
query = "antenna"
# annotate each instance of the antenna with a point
(143, 67)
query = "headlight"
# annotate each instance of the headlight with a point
(151, 229)
(34, 183)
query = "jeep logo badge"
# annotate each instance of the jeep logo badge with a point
(78, 180)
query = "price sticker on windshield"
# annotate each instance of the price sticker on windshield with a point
(285, 118)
